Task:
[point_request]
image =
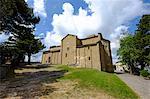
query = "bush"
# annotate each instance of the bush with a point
(144, 73)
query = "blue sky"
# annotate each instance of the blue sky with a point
(86, 17)
(55, 7)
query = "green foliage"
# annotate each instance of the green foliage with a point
(135, 49)
(65, 68)
(127, 51)
(22, 26)
(106, 82)
(142, 39)
(17, 11)
(144, 73)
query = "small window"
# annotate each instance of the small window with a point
(89, 58)
(66, 55)
(67, 48)
(49, 59)
(88, 47)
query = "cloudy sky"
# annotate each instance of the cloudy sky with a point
(86, 17)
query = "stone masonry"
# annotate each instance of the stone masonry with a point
(90, 52)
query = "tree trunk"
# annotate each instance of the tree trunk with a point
(142, 65)
(132, 69)
(29, 58)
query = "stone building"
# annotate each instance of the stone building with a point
(90, 52)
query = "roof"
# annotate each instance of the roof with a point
(69, 35)
(94, 36)
(54, 46)
(45, 52)
(86, 45)
(55, 51)
(105, 40)
(91, 44)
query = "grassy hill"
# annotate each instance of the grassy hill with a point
(107, 82)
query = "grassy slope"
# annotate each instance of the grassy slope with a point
(106, 82)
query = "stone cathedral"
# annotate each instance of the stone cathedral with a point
(91, 52)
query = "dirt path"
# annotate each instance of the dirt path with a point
(29, 83)
(67, 89)
(138, 84)
(43, 83)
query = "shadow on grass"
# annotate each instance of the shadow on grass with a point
(34, 66)
(28, 85)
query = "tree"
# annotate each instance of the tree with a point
(11, 52)
(23, 38)
(30, 46)
(21, 24)
(10, 9)
(127, 52)
(34, 48)
(135, 49)
(142, 39)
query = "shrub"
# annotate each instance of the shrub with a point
(144, 73)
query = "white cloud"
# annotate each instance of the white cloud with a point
(108, 18)
(52, 39)
(39, 7)
(116, 35)
(35, 58)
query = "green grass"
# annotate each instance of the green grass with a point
(106, 82)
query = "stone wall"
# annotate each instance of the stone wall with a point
(106, 56)
(69, 50)
(55, 57)
(45, 58)
(89, 57)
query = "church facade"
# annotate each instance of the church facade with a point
(91, 52)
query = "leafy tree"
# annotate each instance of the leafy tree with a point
(127, 52)
(135, 49)
(11, 52)
(24, 39)
(30, 46)
(142, 39)
(10, 9)
(21, 25)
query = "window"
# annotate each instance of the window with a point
(49, 59)
(89, 58)
(66, 55)
(67, 48)
(88, 47)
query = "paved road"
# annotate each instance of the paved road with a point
(138, 84)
